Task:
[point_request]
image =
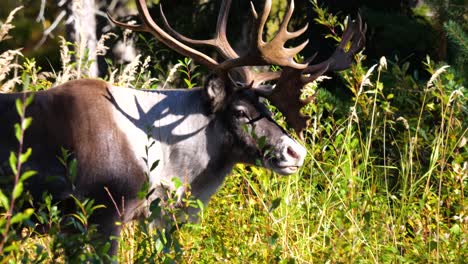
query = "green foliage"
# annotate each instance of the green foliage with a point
(10, 216)
(459, 38)
(13, 248)
(188, 70)
(384, 183)
(450, 17)
(326, 19)
(156, 237)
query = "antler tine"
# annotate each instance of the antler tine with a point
(259, 23)
(284, 35)
(221, 30)
(287, 94)
(150, 26)
(340, 59)
(140, 28)
(273, 52)
(259, 52)
(285, 23)
(285, 56)
(219, 41)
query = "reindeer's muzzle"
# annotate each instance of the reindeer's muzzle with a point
(287, 156)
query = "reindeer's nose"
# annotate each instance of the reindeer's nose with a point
(292, 152)
(288, 156)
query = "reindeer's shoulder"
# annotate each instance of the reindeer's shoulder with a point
(81, 85)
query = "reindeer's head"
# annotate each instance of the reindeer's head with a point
(254, 134)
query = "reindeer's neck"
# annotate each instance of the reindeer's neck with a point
(187, 141)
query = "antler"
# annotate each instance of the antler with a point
(273, 52)
(259, 52)
(287, 92)
(151, 27)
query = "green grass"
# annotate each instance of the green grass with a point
(368, 193)
(381, 187)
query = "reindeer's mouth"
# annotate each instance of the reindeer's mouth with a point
(285, 170)
(286, 158)
(280, 167)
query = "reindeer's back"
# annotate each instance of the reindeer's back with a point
(75, 117)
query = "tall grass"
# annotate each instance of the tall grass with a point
(385, 181)
(367, 193)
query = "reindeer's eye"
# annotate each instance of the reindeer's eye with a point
(240, 113)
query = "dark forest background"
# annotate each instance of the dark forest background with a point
(401, 30)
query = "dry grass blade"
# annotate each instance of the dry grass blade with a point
(8, 57)
(436, 75)
(68, 69)
(7, 64)
(7, 26)
(101, 48)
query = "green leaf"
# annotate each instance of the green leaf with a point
(4, 201)
(200, 204)
(29, 100)
(18, 190)
(258, 163)
(18, 132)
(143, 191)
(261, 142)
(26, 123)
(19, 107)
(99, 206)
(27, 175)
(275, 204)
(154, 165)
(73, 168)
(187, 82)
(159, 246)
(177, 182)
(21, 217)
(79, 216)
(13, 162)
(11, 248)
(455, 229)
(25, 156)
(379, 86)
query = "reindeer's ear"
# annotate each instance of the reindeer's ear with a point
(216, 92)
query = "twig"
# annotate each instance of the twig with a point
(113, 201)
(40, 16)
(49, 30)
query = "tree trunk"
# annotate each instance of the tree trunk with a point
(81, 30)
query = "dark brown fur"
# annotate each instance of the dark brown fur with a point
(76, 116)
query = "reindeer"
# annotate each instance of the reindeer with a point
(199, 134)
